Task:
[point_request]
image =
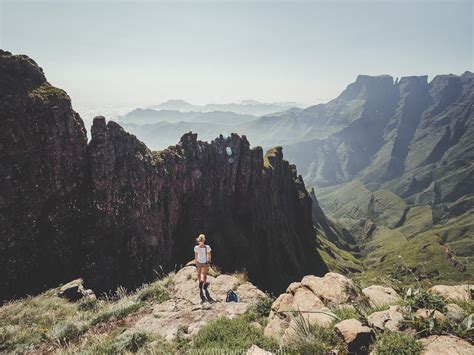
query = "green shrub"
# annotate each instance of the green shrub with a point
(310, 338)
(343, 313)
(66, 332)
(466, 328)
(131, 341)
(421, 298)
(156, 292)
(426, 326)
(237, 333)
(263, 306)
(397, 343)
(87, 304)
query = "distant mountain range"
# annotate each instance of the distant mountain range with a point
(245, 107)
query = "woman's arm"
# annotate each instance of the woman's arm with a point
(195, 258)
(209, 257)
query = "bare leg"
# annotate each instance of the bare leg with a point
(199, 268)
(204, 278)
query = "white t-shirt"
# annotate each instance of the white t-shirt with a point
(202, 253)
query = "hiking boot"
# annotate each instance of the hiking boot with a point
(206, 285)
(200, 284)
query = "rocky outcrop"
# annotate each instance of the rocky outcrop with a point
(116, 213)
(183, 311)
(74, 291)
(313, 297)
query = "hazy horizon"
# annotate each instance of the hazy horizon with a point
(120, 54)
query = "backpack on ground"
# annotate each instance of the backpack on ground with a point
(232, 296)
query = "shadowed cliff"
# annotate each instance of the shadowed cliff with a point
(117, 213)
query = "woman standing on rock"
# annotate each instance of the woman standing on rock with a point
(202, 258)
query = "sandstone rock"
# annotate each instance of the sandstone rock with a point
(424, 313)
(357, 336)
(332, 289)
(446, 344)
(293, 287)
(184, 310)
(457, 292)
(305, 300)
(298, 297)
(276, 326)
(249, 292)
(380, 295)
(454, 313)
(255, 350)
(390, 319)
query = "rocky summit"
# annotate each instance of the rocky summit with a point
(116, 213)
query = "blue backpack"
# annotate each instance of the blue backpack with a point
(232, 296)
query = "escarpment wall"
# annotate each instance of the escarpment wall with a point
(116, 213)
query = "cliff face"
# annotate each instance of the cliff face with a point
(43, 160)
(116, 213)
(254, 210)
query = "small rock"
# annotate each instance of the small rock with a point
(424, 313)
(446, 344)
(380, 295)
(454, 313)
(457, 292)
(255, 350)
(358, 337)
(390, 319)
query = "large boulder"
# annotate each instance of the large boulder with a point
(357, 336)
(332, 289)
(446, 344)
(380, 295)
(313, 297)
(456, 292)
(390, 319)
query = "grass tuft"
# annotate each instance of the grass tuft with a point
(237, 333)
(397, 343)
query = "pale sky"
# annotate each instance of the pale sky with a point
(119, 53)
